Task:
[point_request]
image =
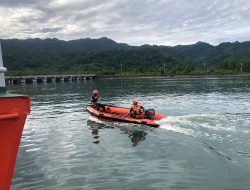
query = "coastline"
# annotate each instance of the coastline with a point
(174, 75)
(151, 75)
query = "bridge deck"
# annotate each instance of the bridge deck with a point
(47, 78)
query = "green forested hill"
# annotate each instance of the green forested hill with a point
(105, 56)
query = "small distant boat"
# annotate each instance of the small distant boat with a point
(119, 114)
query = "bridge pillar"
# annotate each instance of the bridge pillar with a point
(29, 80)
(40, 79)
(16, 80)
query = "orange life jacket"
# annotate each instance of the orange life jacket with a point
(137, 110)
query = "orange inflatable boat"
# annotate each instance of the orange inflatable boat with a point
(119, 114)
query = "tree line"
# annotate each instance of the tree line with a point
(106, 57)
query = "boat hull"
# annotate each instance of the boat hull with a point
(13, 113)
(118, 114)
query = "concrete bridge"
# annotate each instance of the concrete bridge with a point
(47, 78)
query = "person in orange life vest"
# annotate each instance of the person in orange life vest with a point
(136, 111)
(95, 101)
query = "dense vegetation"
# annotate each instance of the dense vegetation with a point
(104, 56)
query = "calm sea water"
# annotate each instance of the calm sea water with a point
(204, 143)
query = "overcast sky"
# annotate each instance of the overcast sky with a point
(136, 22)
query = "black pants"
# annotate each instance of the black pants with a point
(98, 106)
(136, 116)
(132, 115)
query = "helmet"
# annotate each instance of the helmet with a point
(95, 92)
(135, 101)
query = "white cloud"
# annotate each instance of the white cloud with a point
(163, 22)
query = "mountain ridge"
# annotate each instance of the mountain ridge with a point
(88, 54)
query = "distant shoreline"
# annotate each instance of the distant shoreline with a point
(148, 75)
(176, 75)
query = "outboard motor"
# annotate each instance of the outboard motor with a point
(149, 113)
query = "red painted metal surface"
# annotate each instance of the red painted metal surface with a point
(13, 113)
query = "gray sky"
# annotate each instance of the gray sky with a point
(136, 22)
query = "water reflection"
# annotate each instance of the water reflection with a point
(95, 132)
(136, 135)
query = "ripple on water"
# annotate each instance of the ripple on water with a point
(203, 143)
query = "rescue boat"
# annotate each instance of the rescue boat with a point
(120, 114)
